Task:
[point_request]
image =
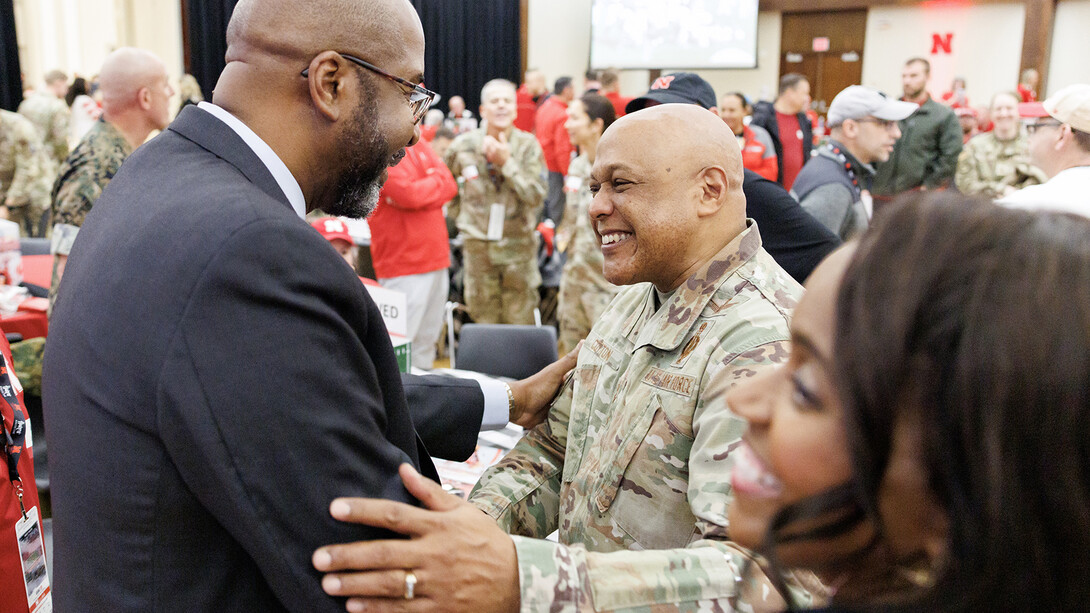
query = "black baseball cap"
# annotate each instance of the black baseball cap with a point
(683, 87)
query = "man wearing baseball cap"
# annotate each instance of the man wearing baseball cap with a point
(335, 231)
(1059, 144)
(834, 186)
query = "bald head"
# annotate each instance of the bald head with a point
(679, 136)
(668, 194)
(124, 73)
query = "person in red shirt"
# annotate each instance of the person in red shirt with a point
(956, 98)
(611, 89)
(758, 152)
(786, 122)
(529, 96)
(1027, 85)
(555, 144)
(410, 249)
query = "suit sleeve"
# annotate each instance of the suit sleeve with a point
(447, 413)
(271, 403)
(428, 186)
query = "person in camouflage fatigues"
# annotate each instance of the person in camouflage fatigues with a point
(584, 291)
(499, 169)
(50, 115)
(25, 173)
(631, 467)
(997, 163)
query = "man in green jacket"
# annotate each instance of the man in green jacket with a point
(927, 153)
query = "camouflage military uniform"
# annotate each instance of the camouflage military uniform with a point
(584, 291)
(82, 177)
(50, 115)
(501, 276)
(988, 166)
(25, 172)
(629, 460)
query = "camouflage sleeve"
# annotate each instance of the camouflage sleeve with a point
(59, 133)
(710, 574)
(73, 197)
(968, 177)
(450, 158)
(523, 171)
(30, 169)
(522, 491)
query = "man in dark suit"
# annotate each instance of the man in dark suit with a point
(216, 373)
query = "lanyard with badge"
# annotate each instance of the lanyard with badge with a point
(28, 529)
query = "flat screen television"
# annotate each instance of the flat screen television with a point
(673, 34)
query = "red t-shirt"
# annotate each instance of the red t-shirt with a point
(791, 139)
(619, 102)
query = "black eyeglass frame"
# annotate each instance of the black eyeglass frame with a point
(1033, 126)
(420, 98)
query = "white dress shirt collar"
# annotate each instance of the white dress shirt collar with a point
(264, 152)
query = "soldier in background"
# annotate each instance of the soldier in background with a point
(996, 163)
(629, 467)
(502, 192)
(135, 97)
(46, 109)
(584, 291)
(25, 173)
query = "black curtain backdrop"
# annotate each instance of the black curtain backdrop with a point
(469, 42)
(11, 80)
(208, 40)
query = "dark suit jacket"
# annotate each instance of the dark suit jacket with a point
(215, 376)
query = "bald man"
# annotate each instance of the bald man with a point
(216, 373)
(629, 467)
(135, 101)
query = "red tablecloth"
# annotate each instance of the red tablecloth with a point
(30, 320)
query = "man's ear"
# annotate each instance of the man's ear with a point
(143, 98)
(714, 186)
(850, 128)
(327, 80)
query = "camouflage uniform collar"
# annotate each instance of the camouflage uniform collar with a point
(110, 131)
(667, 327)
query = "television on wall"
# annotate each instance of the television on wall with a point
(673, 34)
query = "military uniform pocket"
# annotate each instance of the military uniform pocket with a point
(649, 501)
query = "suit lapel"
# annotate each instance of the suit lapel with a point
(217, 137)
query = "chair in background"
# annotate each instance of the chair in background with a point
(505, 350)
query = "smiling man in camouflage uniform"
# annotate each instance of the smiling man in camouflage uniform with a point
(499, 171)
(630, 467)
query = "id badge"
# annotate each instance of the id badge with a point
(573, 183)
(496, 216)
(470, 172)
(28, 531)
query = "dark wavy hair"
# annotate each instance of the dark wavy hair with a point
(973, 321)
(77, 88)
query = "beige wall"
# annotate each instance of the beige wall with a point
(559, 45)
(77, 35)
(987, 46)
(1070, 55)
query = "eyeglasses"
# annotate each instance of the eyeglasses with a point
(1032, 127)
(885, 124)
(419, 98)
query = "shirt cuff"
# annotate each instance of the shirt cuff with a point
(497, 412)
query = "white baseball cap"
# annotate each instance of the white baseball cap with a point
(857, 102)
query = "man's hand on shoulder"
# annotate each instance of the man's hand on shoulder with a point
(456, 558)
(532, 396)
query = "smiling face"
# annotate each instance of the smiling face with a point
(1004, 113)
(733, 111)
(643, 210)
(498, 105)
(581, 130)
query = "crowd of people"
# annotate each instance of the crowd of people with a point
(842, 371)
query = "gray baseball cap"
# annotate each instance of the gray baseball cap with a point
(857, 102)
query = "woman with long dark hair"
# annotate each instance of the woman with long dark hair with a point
(927, 447)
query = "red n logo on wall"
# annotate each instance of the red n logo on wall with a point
(941, 42)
